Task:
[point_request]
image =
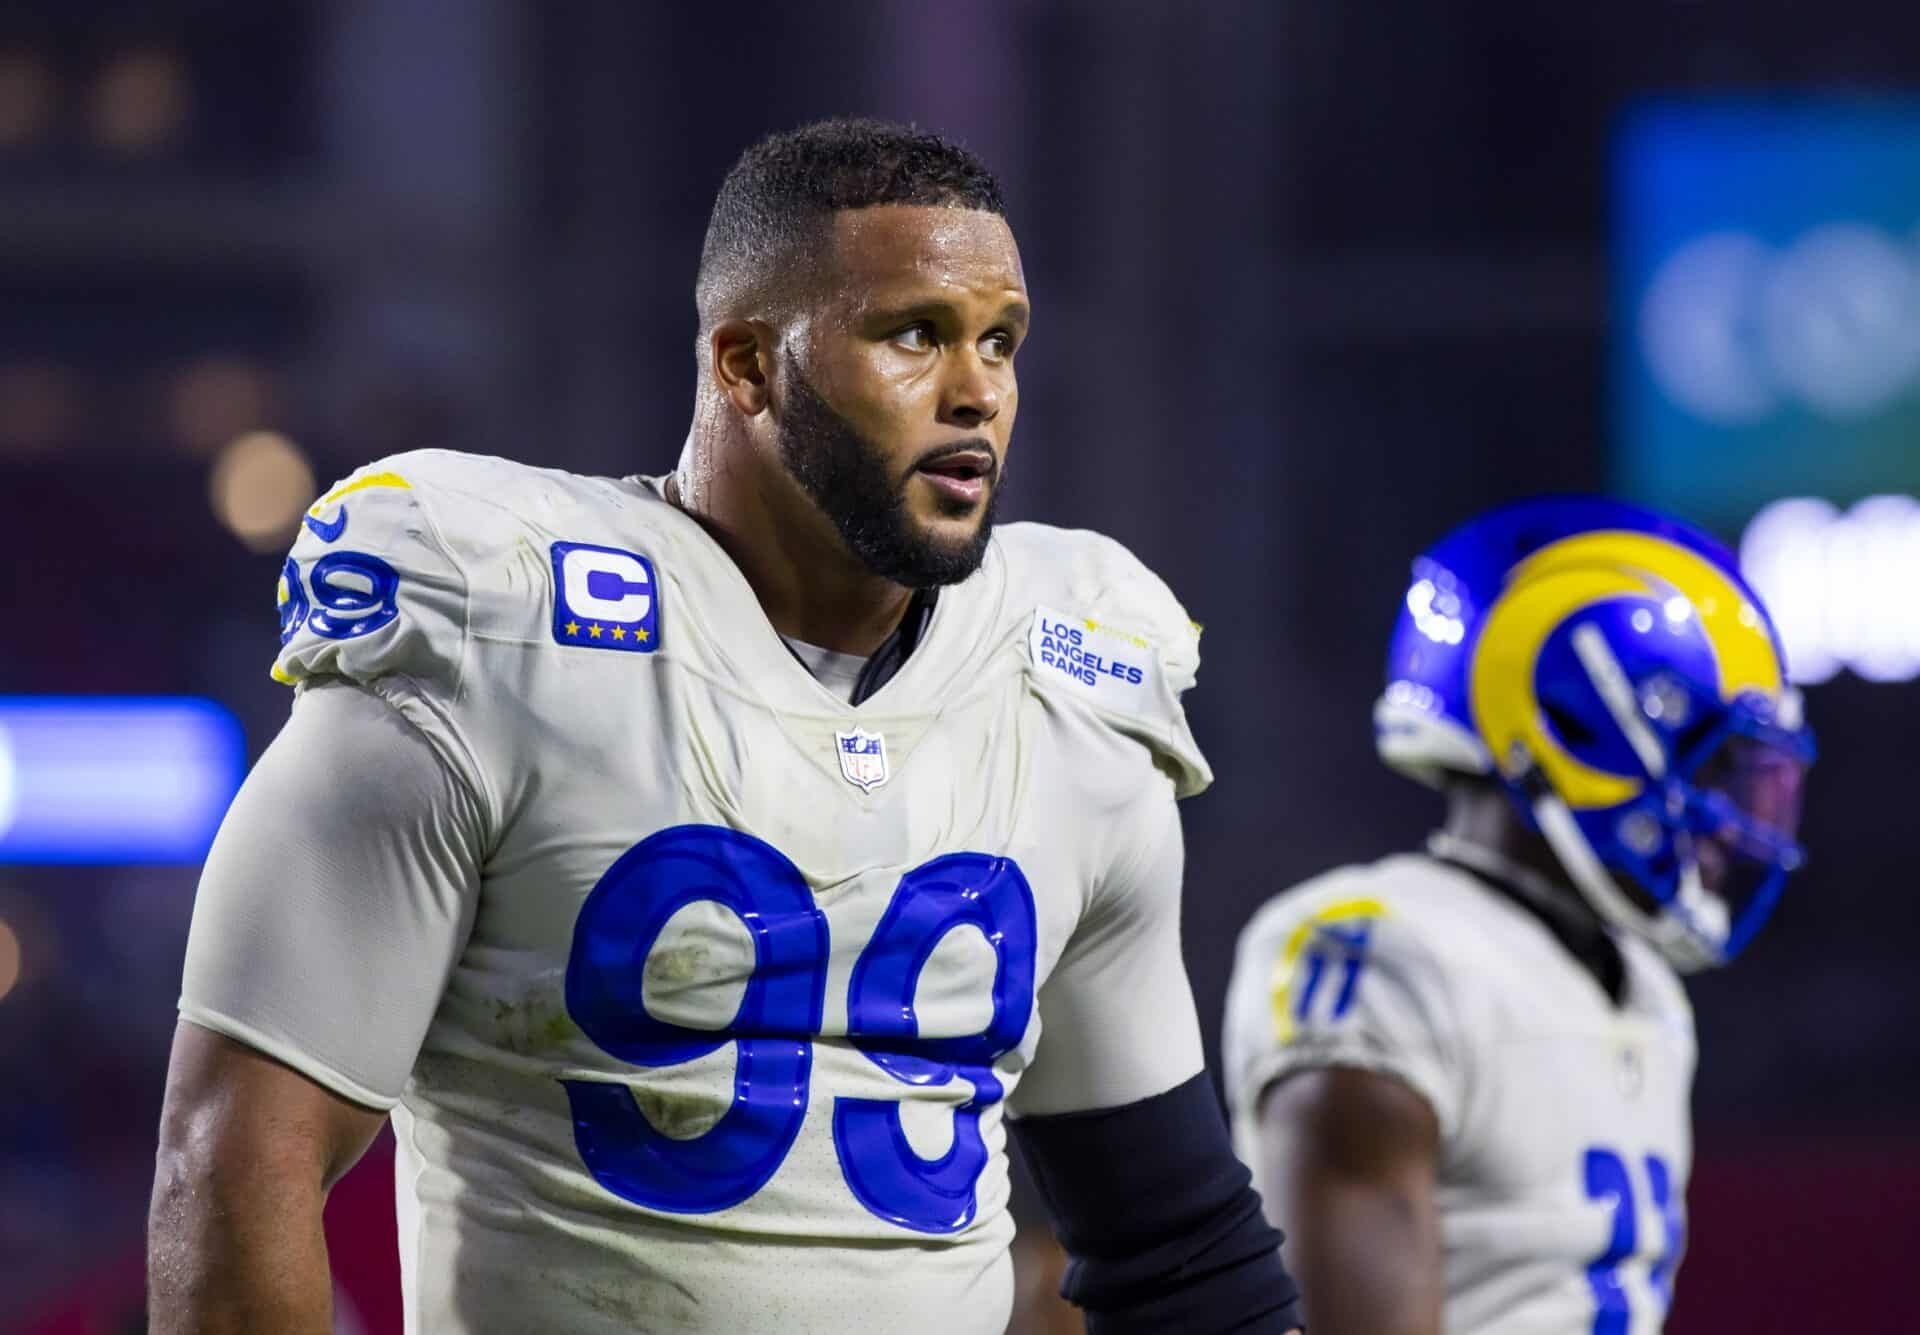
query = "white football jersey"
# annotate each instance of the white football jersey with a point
(1565, 1143)
(698, 994)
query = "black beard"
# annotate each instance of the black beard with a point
(847, 477)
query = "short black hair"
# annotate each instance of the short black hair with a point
(784, 188)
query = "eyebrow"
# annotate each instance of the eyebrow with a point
(1014, 311)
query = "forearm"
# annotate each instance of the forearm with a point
(1348, 1158)
(231, 1250)
(1367, 1264)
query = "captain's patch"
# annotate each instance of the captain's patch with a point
(604, 598)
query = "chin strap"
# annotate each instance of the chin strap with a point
(1685, 933)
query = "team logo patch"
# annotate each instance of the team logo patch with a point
(605, 598)
(863, 758)
(1113, 667)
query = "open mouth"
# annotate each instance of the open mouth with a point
(962, 475)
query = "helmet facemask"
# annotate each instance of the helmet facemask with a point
(1696, 861)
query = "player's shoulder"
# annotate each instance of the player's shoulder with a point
(1412, 904)
(1098, 627)
(474, 499)
(402, 563)
(1363, 965)
(1089, 576)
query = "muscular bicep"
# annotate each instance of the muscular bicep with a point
(1347, 1159)
(338, 896)
(237, 1110)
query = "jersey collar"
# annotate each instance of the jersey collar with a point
(1579, 931)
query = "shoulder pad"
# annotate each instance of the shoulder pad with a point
(1423, 906)
(1342, 970)
(371, 586)
(1402, 906)
(1103, 629)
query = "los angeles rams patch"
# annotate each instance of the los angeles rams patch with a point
(1117, 669)
(605, 598)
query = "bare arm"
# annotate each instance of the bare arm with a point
(1347, 1158)
(249, 1149)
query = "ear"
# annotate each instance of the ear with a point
(742, 361)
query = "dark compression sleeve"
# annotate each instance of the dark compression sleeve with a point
(1160, 1219)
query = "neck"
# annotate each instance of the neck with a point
(1480, 814)
(1481, 819)
(1484, 834)
(809, 585)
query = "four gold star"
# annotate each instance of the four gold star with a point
(594, 631)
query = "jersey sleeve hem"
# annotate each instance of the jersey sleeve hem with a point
(288, 1054)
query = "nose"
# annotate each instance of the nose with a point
(972, 395)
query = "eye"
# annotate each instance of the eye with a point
(916, 337)
(998, 345)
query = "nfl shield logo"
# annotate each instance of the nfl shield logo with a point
(863, 758)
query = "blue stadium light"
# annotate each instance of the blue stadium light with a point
(114, 779)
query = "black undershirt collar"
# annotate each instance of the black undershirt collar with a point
(1579, 932)
(892, 655)
(884, 664)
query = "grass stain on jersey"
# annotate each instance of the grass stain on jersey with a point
(677, 966)
(533, 1023)
(678, 1116)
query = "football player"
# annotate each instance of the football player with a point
(1462, 1075)
(705, 871)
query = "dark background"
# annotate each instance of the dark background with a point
(1313, 281)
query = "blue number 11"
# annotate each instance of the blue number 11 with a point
(1607, 1180)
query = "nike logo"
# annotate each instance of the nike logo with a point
(324, 531)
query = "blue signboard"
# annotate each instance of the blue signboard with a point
(1766, 322)
(114, 779)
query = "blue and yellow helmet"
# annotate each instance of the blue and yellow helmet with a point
(1611, 670)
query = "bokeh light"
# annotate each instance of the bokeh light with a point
(28, 94)
(9, 958)
(141, 101)
(1839, 585)
(39, 406)
(261, 483)
(219, 399)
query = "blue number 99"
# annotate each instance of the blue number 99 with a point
(781, 1011)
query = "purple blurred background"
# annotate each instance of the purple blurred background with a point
(1313, 281)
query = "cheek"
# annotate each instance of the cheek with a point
(888, 393)
(1001, 428)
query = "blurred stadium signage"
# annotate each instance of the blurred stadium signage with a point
(114, 779)
(1840, 585)
(1766, 330)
